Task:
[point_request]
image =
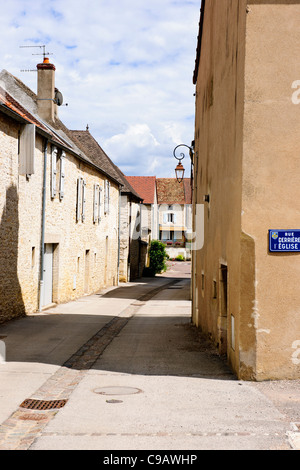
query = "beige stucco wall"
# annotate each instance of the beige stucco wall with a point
(218, 172)
(246, 160)
(271, 191)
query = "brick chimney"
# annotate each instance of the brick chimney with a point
(47, 108)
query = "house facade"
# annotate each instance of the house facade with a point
(59, 207)
(146, 187)
(175, 216)
(246, 294)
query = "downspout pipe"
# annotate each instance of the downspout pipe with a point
(119, 234)
(43, 227)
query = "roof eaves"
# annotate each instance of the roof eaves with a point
(199, 44)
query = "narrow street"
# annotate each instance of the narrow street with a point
(130, 372)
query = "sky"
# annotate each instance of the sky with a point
(124, 67)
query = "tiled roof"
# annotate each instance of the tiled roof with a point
(9, 103)
(95, 152)
(145, 186)
(80, 143)
(169, 191)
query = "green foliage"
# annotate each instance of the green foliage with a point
(180, 258)
(158, 256)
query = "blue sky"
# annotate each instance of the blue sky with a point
(124, 67)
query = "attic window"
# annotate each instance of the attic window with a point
(26, 150)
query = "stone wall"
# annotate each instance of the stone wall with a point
(85, 257)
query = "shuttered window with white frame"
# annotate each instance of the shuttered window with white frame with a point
(83, 200)
(96, 202)
(27, 150)
(53, 171)
(106, 196)
(99, 204)
(62, 175)
(79, 199)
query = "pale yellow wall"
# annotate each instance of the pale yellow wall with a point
(271, 190)
(247, 161)
(218, 157)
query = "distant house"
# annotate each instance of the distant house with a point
(175, 215)
(146, 187)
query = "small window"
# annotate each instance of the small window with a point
(214, 289)
(33, 257)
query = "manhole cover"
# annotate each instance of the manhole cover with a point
(117, 390)
(32, 404)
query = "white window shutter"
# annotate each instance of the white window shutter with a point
(62, 175)
(174, 218)
(83, 199)
(165, 218)
(99, 205)
(78, 205)
(53, 171)
(96, 202)
(105, 197)
(27, 149)
(108, 196)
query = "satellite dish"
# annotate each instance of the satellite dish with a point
(58, 98)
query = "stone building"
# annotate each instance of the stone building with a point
(59, 205)
(132, 249)
(146, 187)
(246, 296)
(175, 215)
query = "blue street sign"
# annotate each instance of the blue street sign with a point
(283, 241)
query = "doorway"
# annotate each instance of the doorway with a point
(48, 275)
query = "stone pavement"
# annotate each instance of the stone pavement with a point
(127, 370)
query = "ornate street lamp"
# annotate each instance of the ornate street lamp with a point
(179, 170)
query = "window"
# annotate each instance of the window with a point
(62, 175)
(97, 204)
(106, 196)
(33, 257)
(26, 150)
(54, 153)
(169, 217)
(81, 200)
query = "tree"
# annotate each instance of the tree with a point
(158, 256)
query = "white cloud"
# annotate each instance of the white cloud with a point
(124, 67)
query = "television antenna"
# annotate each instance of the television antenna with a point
(44, 54)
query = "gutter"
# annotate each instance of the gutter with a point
(119, 236)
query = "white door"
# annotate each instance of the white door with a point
(48, 274)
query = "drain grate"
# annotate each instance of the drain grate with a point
(32, 404)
